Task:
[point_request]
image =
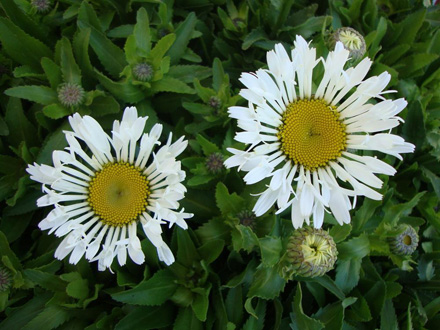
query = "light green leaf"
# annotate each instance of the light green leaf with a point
(69, 68)
(121, 90)
(78, 289)
(40, 94)
(45, 280)
(56, 111)
(160, 49)
(187, 73)
(228, 203)
(200, 303)
(52, 71)
(104, 105)
(142, 33)
(168, 84)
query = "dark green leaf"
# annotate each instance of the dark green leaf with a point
(347, 274)
(45, 280)
(69, 68)
(145, 317)
(271, 248)
(187, 320)
(56, 111)
(183, 35)
(355, 248)
(211, 250)
(267, 283)
(153, 292)
(228, 203)
(301, 321)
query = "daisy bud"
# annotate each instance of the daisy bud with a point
(215, 103)
(405, 243)
(311, 252)
(70, 95)
(143, 72)
(352, 40)
(41, 5)
(5, 279)
(214, 163)
(247, 218)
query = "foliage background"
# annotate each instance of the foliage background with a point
(226, 271)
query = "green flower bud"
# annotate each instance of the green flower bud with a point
(70, 95)
(247, 218)
(214, 163)
(311, 252)
(41, 5)
(143, 72)
(352, 40)
(405, 243)
(5, 279)
(215, 103)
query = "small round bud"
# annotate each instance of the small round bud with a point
(247, 218)
(70, 95)
(214, 163)
(41, 5)
(215, 103)
(143, 72)
(5, 279)
(405, 243)
(352, 40)
(311, 252)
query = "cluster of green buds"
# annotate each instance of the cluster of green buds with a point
(214, 163)
(41, 6)
(405, 241)
(352, 40)
(311, 252)
(70, 95)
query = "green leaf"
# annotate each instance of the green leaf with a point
(121, 90)
(200, 304)
(160, 49)
(69, 68)
(168, 84)
(388, 318)
(414, 126)
(355, 248)
(243, 238)
(111, 56)
(54, 141)
(409, 27)
(410, 64)
(186, 252)
(340, 233)
(207, 146)
(78, 289)
(347, 274)
(271, 248)
(228, 203)
(40, 94)
(234, 304)
(218, 75)
(330, 285)
(50, 318)
(153, 292)
(19, 317)
(81, 42)
(104, 105)
(212, 230)
(52, 71)
(187, 73)
(56, 111)
(257, 317)
(145, 317)
(142, 33)
(267, 283)
(187, 320)
(28, 51)
(5, 251)
(211, 250)
(20, 128)
(45, 280)
(300, 320)
(183, 36)
(197, 108)
(254, 36)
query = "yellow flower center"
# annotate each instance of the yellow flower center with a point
(118, 194)
(312, 134)
(350, 39)
(316, 250)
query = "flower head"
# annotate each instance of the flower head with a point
(246, 218)
(307, 139)
(310, 252)
(214, 163)
(5, 279)
(405, 242)
(99, 199)
(70, 95)
(352, 40)
(41, 5)
(143, 71)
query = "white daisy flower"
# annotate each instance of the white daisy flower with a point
(306, 137)
(100, 199)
